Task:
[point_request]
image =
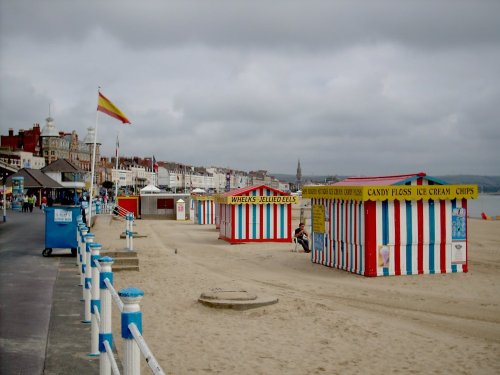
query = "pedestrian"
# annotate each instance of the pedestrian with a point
(31, 202)
(83, 208)
(44, 203)
(25, 204)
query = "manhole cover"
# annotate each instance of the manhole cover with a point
(222, 294)
(238, 299)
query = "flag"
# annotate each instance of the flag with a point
(105, 105)
(155, 164)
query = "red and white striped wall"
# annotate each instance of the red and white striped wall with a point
(415, 235)
(217, 215)
(256, 222)
(204, 211)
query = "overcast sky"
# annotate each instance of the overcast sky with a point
(350, 87)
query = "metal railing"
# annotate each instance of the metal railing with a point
(98, 294)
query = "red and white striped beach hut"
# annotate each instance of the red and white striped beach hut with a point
(256, 214)
(390, 225)
(217, 215)
(204, 209)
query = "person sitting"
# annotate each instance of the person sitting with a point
(301, 235)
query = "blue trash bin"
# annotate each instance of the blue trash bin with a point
(61, 228)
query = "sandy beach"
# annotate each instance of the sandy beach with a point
(327, 321)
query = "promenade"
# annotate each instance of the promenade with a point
(40, 308)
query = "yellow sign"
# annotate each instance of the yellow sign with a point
(202, 197)
(259, 199)
(399, 192)
(318, 216)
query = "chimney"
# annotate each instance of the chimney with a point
(11, 132)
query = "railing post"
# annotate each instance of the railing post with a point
(89, 238)
(127, 227)
(82, 229)
(131, 314)
(81, 255)
(78, 223)
(131, 248)
(78, 244)
(105, 331)
(95, 301)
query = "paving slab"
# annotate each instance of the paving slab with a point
(68, 342)
(26, 284)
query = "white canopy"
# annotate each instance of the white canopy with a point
(198, 191)
(150, 189)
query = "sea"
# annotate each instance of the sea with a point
(487, 203)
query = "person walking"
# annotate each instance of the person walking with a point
(44, 203)
(25, 204)
(31, 202)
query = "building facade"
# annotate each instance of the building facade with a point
(21, 159)
(60, 145)
(25, 140)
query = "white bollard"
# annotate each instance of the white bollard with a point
(83, 232)
(131, 314)
(78, 223)
(95, 249)
(78, 244)
(89, 238)
(81, 227)
(131, 248)
(126, 231)
(105, 332)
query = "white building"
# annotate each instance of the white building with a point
(284, 186)
(21, 159)
(134, 177)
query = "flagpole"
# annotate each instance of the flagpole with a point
(116, 166)
(93, 165)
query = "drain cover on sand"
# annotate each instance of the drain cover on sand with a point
(237, 299)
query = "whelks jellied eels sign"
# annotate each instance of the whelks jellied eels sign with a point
(258, 199)
(381, 193)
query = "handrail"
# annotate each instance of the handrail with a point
(98, 292)
(97, 315)
(146, 352)
(111, 356)
(114, 294)
(120, 211)
(98, 265)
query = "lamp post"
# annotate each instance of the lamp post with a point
(91, 141)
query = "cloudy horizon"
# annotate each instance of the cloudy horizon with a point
(349, 88)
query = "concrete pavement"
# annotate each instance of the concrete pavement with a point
(40, 308)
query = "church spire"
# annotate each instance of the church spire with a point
(299, 176)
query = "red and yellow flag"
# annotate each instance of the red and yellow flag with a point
(105, 105)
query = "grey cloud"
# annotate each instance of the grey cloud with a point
(17, 113)
(315, 24)
(349, 88)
